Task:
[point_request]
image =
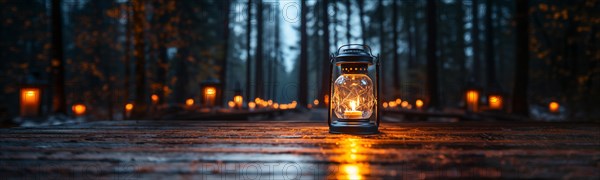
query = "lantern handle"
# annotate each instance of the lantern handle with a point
(365, 47)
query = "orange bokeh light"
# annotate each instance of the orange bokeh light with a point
(79, 109)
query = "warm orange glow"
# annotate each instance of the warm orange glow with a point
(238, 100)
(326, 100)
(350, 161)
(309, 106)
(189, 102)
(316, 102)
(30, 102)
(353, 113)
(275, 105)
(78, 109)
(251, 105)
(495, 102)
(270, 102)
(128, 107)
(210, 93)
(154, 98)
(283, 106)
(231, 104)
(392, 104)
(553, 106)
(419, 103)
(398, 101)
(472, 100)
(404, 104)
(385, 104)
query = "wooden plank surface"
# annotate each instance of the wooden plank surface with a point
(299, 150)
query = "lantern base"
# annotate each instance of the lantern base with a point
(339, 127)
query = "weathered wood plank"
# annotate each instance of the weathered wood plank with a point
(248, 150)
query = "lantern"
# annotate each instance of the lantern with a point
(354, 106)
(495, 101)
(419, 103)
(251, 106)
(30, 98)
(238, 99)
(210, 92)
(189, 102)
(128, 109)
(154, 98)
(553, 107)
(472, 94)
(78, 109)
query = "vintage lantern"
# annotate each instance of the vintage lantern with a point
(78, 109)
(495, 97)
(354, 108)
(419, 103)
(189, 102)
(238, 99)
(472, 94)
(30, 99)
(211, 92)
(553, 107)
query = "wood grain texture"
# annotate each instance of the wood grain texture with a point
(301, 150)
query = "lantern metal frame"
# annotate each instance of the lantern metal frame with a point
(360, 56)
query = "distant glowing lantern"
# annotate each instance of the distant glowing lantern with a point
(251, 105)
(472, 100)
(553, 107)
(189, 102)
(270, 102)
(128, 109)
(154, 98)
(495, 102)
(419, 104)
(354, 94)
(275, 105)
(31, 97)
(238, 100)
(316, 102)
(78, 109)
(326, 100)
(210, 92)
(385, 105)
(472, 96)
(404, 104)
(231, 104)
(392, 104)
(398, 101)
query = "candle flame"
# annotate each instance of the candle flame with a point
(353, 105)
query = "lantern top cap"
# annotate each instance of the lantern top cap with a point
(210, 81)
(354, 53)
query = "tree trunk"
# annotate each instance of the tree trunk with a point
(277, 54)
(396, 68)
(363, 29)
(161, 70)
(224, 61)
(248, 56)
(476, 69)
(58, 68)
(489, 46)
(348, 15)
(335, 23)
(259, 50)
(139, 16)
(303, 75)
(325, 86)
(382, 38)
(460, 40)
(127, 57)
(408, 13)
(519, 105)
(432, 79)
